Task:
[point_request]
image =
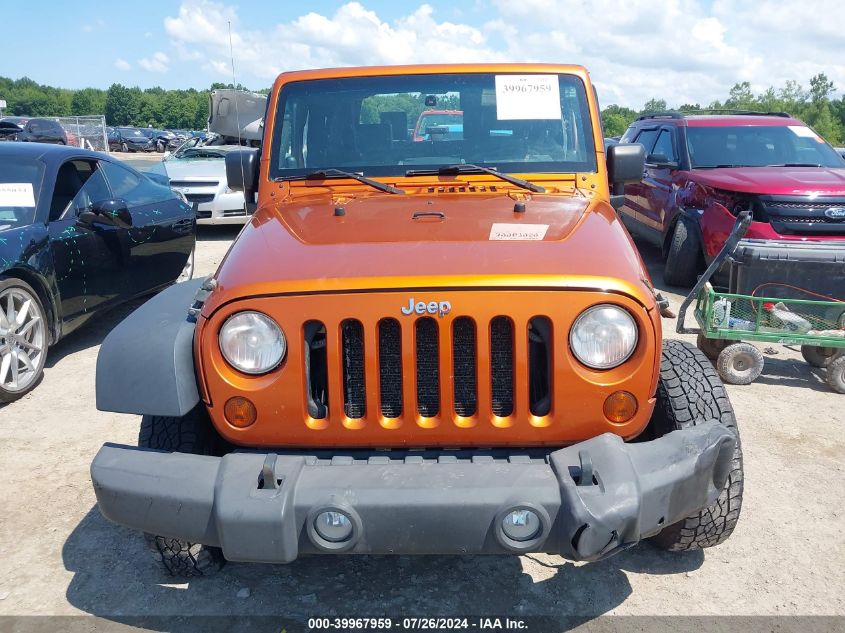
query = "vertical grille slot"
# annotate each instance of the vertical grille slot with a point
(463, 366)
(540, 366)
(390, 367)
(354, 393)
(501, 365)
(316, 365)
(428, 367)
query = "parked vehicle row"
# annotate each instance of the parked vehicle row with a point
(34, 130)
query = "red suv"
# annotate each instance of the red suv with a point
(702, 170)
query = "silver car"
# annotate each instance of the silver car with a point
(198, 172)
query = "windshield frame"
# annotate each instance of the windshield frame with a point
(589, 165)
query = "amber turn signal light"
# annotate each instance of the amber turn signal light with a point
(620, 407)
(240, 412)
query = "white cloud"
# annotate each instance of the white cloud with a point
(157, 63)
(682, 50)
(122, 64)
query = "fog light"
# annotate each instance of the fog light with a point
(620, 407)
(521, 525)
(240, 412)
(333, 526)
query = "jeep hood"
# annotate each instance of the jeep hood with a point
(303, 247)
(824, 181)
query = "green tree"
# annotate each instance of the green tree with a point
(655, 105)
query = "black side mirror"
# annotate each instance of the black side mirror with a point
(660, 161)
(242, 171)
(625, 163)
(111, 212)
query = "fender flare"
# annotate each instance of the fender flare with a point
(146, 364)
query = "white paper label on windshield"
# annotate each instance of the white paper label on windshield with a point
(518, 232)
(803, 131)
(16, 194)
(527, 97)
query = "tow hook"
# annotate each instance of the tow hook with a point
(663, 305)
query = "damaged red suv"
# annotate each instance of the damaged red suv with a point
(702, 170)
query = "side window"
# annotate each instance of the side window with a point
(664, 145)
(78, 185)
(35, 127)
(646, 138)
(629, 135)
(135, 189)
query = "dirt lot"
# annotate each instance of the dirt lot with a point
(59, 556)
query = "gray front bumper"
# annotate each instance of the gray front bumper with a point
(452, 504)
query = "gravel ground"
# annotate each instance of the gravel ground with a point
(59, 556)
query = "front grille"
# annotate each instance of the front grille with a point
(501, 365)
(194, 183)
(463, 366)
(474, 374)
(428, 368)
(390, 367)
(199, 197)
(354, 391)
(803, 216)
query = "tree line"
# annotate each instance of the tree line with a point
(815, 106)
(121, 105)
(188, 109)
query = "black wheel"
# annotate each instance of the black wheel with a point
(689, 391)
(836, 374)
(819, 356)
(711, 347)
(24, 338)
(194, 434)
(683, 255)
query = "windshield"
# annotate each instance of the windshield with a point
(371, 125)
(20, 183)
(125, 132)
(200, 153)
(759, 146)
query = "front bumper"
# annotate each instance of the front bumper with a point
(593, 498)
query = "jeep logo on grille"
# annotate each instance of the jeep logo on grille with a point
(835, 213)
(440, 308)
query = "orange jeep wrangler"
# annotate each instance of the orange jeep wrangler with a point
(419, 347)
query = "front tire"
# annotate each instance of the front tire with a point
(192, 433)
(24, 338)
(683, 255)
(689, 391)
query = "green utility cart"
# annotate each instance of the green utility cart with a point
(728, 322)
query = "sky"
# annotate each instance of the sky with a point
(684, 51)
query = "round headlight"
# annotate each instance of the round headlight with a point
(252, 342)
(603, 336)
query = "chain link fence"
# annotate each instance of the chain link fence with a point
(86, 131)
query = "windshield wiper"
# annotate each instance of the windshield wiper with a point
(796, 165)
(326, 174)
(453, 170)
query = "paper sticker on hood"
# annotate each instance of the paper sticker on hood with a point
(518, 232)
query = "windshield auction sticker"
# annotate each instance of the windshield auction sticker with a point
(522, 97)
(518, 232)
(16, 194)
(804, 132)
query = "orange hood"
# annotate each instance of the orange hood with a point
(422, 241)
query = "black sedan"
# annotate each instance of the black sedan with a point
(79, 233)
(130, 139)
